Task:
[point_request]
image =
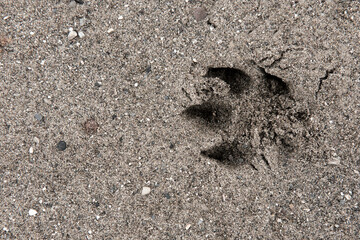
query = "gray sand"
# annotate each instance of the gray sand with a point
(243, 124)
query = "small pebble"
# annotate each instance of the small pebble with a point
(72, 35)
(38, 117)
(348, 196)
(81, 34)
(145, 191)
(136, 85)
(199, 13)
(110, 30)
(32, 212)
(79, 1)
(148, 69)
(31, 150)
(90, 126)
(188, 226)
(61, 146)
(36, 140)
(82, 22)
(334, 161)
(72, 4)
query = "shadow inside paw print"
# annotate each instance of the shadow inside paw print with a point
(256, 114)
(237, 79)
(211, 113)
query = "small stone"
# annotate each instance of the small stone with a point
(187, 227)
(199, 13)
(81, 34)
(145, 191)
(136, 85)
(82, 22)
(79, 1)
(334, 161)
(32, 212)
(348, 196)
(61, 146)
(148, 69)
(91, 126)
(110, 30)
(36, 140)
(72, 35)
(38, 117)
(72, 4)
(167, 195)
(31, 150)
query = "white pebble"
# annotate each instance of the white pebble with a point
(36, 140)
(136, 84)
(188, 226)
(334, 161)
(32, 212)
(5, 229)
(120, 17)
(145, 191)
(81, 34)
(110, 30)
(72, 35)
(31, 150)
(82, 22)
(347, 196)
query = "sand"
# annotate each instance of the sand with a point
(182, 119)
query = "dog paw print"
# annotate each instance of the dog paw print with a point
(256, 116)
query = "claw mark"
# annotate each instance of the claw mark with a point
(328, 72)
(266, 161)
(237, 79)
(186, 94)
(211, 23)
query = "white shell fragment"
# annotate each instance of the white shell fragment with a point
(32, 212)
(145, 191)
(72, 35)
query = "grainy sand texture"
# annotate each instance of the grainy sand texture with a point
(184, 119)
